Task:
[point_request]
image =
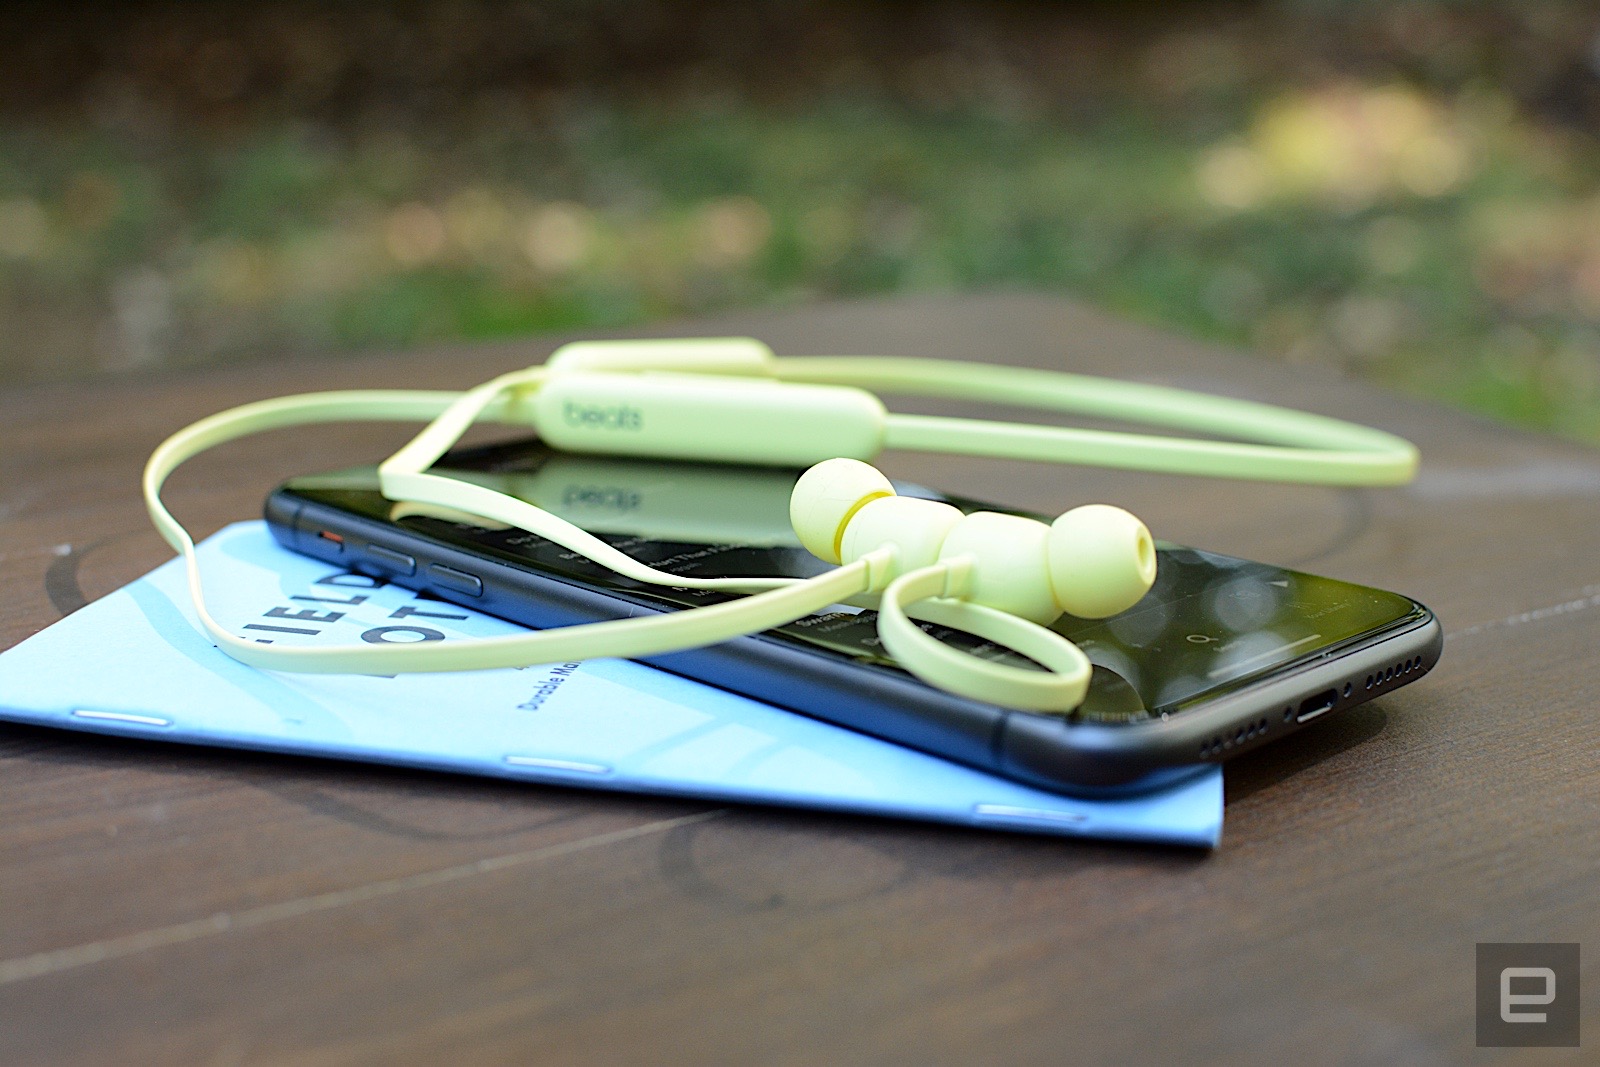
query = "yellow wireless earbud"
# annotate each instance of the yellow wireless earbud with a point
(1003, 577)
(1094, 561)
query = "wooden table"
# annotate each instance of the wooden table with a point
(203, 906)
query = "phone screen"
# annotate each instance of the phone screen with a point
(1210, 623)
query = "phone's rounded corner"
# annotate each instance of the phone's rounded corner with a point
(1089, 758)
(1424, 636)
(1433, 629)
(281, 511)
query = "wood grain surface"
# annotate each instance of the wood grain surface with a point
(161, 904)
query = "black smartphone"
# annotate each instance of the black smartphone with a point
(1223, 655)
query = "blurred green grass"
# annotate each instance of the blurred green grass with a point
(1432, 232)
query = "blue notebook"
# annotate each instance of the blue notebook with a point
(133, 664)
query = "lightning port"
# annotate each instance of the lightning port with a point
(1319, 705)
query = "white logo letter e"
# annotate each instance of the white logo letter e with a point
(1508, 999)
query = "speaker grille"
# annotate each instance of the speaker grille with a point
(1379, 679)
(1238, 738)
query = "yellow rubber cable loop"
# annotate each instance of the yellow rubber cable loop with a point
(1060, 687)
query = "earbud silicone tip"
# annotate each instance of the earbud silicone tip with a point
(825, 498)
(1102, 561)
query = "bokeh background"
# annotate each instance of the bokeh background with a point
(1407, 191)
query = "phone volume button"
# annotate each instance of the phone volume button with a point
(398, 562)
(457, 581)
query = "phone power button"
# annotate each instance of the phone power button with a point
(457, 581)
